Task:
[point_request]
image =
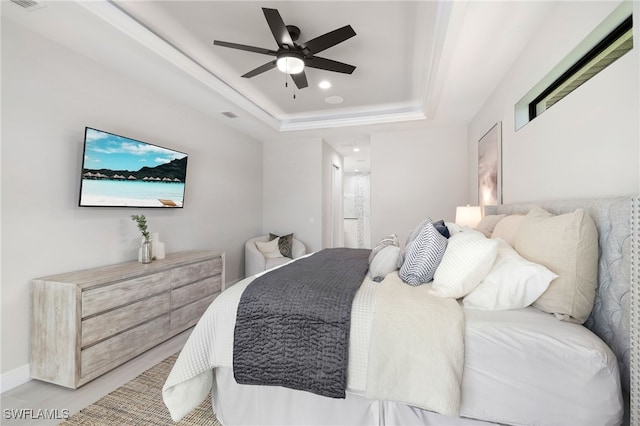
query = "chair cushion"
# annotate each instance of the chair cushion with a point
(269, 249)
(276, 261)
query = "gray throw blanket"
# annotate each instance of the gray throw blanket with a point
(292, 325)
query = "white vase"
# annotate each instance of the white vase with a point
(157, 246)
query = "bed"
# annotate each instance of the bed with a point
(518, 366)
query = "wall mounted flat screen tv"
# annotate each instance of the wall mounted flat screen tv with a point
(123, 172)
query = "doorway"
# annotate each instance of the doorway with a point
(357, 209)
(337, 239)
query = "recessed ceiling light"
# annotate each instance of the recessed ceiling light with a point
(334, 100)
(356, 149)
(324, 84)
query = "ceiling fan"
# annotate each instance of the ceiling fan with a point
(291, 57)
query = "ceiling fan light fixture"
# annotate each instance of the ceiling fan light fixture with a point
(290, 63)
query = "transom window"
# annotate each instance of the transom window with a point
(613, 46)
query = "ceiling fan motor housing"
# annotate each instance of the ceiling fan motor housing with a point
(294, 32)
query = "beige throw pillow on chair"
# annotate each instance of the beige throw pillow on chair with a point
(269, 249)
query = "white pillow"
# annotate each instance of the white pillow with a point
(453, 227)
(269, 249)
(467, 260)
(512, 283)
(384, 262)
(389, 240)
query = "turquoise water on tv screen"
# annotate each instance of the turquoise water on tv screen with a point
(136, 190)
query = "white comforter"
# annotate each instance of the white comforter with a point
(211, 345)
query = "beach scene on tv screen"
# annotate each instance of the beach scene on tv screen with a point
(118, 171)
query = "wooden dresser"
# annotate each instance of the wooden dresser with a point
(88, 322)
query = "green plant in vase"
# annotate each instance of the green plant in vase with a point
(145, 250)
(142, 225)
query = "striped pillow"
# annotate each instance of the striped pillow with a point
(423, 255)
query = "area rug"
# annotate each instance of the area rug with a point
(139, 402)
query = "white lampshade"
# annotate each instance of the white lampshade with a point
(468, 215)
(290, 64)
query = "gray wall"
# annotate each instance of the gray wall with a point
(49, 94)
(292, 196)
(414, 175)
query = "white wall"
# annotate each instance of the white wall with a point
(416, 174)
(48, 95)
(332, 204)
(292, 190)
(587, 145)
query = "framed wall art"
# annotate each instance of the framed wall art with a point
(490, 167)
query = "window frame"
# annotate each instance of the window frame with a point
(607, 41)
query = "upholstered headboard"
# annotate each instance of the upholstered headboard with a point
(617, 234)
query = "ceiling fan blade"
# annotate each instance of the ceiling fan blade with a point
(300, 79)
(278, 28)
(330, 39)
(245, 47)
(260, 69)
(329, 65)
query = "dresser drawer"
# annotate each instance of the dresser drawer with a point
(195, 272)
(107, 297)
(108, 324)
(103, 356)
(195, 291)
(186, 316)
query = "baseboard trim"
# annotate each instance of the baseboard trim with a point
(14, 378)
(230, 283)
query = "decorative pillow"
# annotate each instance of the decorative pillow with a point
(422, 256)
(389, 240)
(566, 244)
(468, 259)
(412, 236)
(269, 249)
(442, 228)
(385, 262)
(512, 283)
(488, 224)
(285, 244)
(507, 228)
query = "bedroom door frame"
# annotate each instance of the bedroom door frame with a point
(337, 233)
